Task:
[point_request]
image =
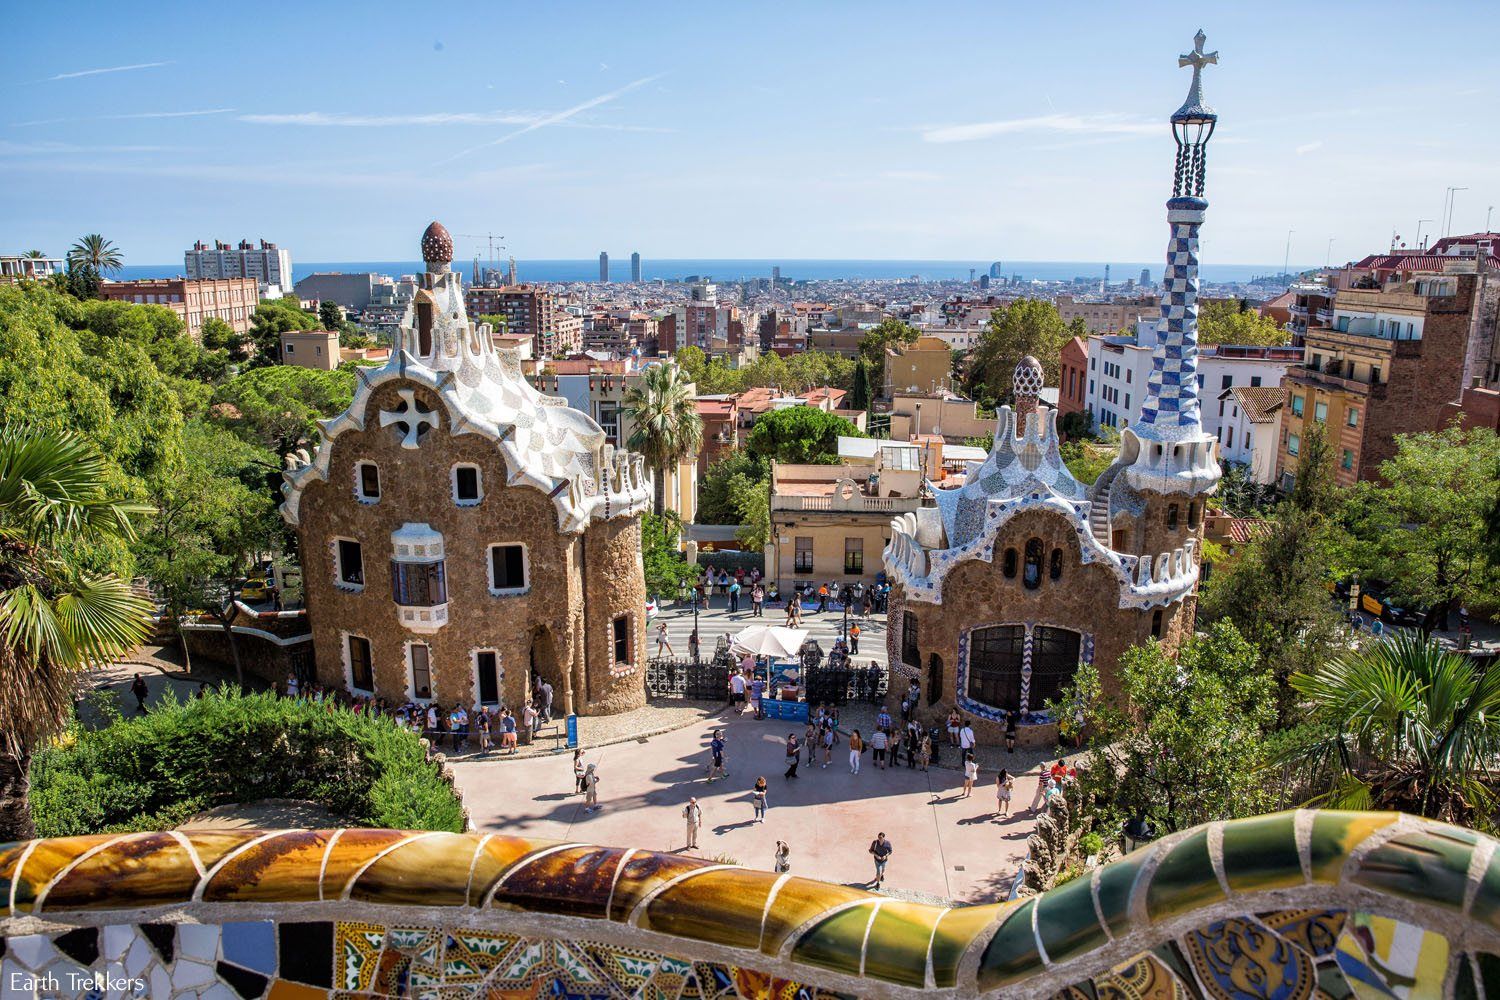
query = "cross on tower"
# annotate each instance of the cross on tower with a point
(1198, 58)
(412, 419)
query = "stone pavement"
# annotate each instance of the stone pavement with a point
(946, 847)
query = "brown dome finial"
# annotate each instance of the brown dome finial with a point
(1029, 379)
(437, 247)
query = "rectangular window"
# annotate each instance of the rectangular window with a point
(1128, 373)
(911, 655)
(1226, 382)
(803, 562)
(421, 670)
(621, 641)
(466, 484)
(1297, 406)
(854, 555)
(507, 568)
(1247, 439)
(361, 673)
(1320, 412)
(1352, 419)
(351, 563)
(487, 666)
(1127, 401)
(1294, 444)
(1374, 374)
(419, 585)
(369, 481)
(1255, 381)
(1348, 461)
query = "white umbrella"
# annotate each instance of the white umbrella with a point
(769, 640)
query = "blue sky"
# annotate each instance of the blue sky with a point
(868, 130)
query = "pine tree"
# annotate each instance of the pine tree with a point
(859, 392)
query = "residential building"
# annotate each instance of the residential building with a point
(925, 366)
(1249, 432)
(958, 338)
(16, 267)
(1393, 359)
(462, 540)
(268, 264)
(1072, 380)
(1107, 316)
(232, 300)
(352, 291)
(635, 268)
(955, 418)
(843, 342)
(704, 322)
(311, 349)
(721, 428)
(531, 311)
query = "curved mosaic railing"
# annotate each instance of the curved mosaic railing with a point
(1293, 905)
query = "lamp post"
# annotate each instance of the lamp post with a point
(683, 592)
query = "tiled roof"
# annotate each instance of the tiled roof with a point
(1242, 529)
(1260, 402)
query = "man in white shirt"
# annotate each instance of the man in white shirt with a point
(693, 814)
(737, 691)
(966, 736)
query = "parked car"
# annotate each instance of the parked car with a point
(257, 588)
(1376, 599)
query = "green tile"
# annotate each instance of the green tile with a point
(1486, 905)
(1066, 922)
(1011, 955)
(1184, 880)
(896, 950)
(1116, 880)
(1429, 866)
(1261, 853)
(956, 931)
(1335, 834)
(836, 942)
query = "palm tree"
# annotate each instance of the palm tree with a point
(94, 251)
(55, 618)
(34, 255)
(668, 428)
(1406, 725)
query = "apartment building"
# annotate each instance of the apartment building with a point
(533, 312)
(1248, 432)
(1108, 315)
(1073, 374)
(925, 366)
(232, 300)
(268, 264)
(311, 349)
(14, 267)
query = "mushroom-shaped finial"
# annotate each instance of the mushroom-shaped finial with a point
(1027, 386)
(437, 247)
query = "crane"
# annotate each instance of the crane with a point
(490, 238)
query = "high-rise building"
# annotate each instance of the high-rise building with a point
(267, 263)
(529, 312)
(775, 274)
(1145, 276)
(635, 268)
(603, 268)
(971, 275)
(997, 270)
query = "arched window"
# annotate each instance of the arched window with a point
(424, 328)
(911, 653)
(1193, 510)
(1033, 576)
(996, 655)
(1156, 625)
(1172, 517)
(934, 679)
(1011, 558)
(1055, 570)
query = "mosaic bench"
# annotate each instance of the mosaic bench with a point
(1294, 905)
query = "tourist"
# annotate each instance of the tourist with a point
(292, 686)
(854, 639)
(827, 742)
(529, 719)
(898, 740)
(758, 601)
(716, 755)
(1043, 779)
(737, 691)
(783, 862)
(822, 598)
(926, 752)
(966, 739)
(663, 644)
(693, 645)
(856, 747)
(883, 719)
(913, 742)
(434, 732)
(1004, 784)
(693, 813)
(459, 721)
(546, 706)
(880, 850)
(971, 772)
(793, 755)
(590, 789)
(758, 799)
(878, 742)
(810, 741)
(757, 696)
(1010, 731)
(508, 731)
(482, 725)
(868, 603)
(773, 592)
(578, 772)
(954, 722)
(140, 690)
(734, 597)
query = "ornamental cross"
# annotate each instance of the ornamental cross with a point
(412, 419)
(1198, 58)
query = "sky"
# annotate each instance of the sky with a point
(987, 131)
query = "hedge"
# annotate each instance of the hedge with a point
(158, 770)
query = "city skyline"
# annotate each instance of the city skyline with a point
(920, 142)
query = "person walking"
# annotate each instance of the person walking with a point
(693, 814)
(737, 691)
(913, 742)
(692, 644)
(1004, 785)
(856, 747)
(966, 740)
(823, 599)
(758, 601)
(854, 639)
(140, 690)
(971, 772)
(810, 741)
(590, 789)
(734, 597)
(716, 755)
(1043, 779)
(546, 706)
(793, 755)
(878, 742)
(926, 752)
(758, 799)
(827, 742)
(757, 696)
(663, 644)
(880, 850)
(783, 862)
(578, 782)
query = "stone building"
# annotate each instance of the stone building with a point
(463, 536)
(1012, 581)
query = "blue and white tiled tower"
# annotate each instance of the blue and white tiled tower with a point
(1169, 451)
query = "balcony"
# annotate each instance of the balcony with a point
(856, 504)
(1316, 377)
(1296, 310)
(1325, 316)
(426, 619)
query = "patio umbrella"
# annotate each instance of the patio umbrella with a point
(768, 640)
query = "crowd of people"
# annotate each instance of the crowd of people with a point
(742, 587)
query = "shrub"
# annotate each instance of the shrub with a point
(156, 771)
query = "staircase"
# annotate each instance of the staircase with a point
(1099, 513)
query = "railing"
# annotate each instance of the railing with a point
(855, 504)
(1314, 375)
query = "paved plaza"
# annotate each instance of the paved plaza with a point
(716, 621)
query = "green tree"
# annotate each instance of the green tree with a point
(1026, 326)
(271, 319)
(1276, 595)
(1087, 460)
(800, 434)
(279, 408)
(716, 503)
(330, 316)
(1424, 527)
(96, 253)
(1181, 741)
(668, 428)
(661, 557)
(219, 337)
(859, 392)
(56, 617)
(752, 502)
(1403, 725)
(1232, 321)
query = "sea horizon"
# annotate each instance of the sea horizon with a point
(742, 269)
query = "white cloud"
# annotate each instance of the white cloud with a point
(107, 69)
(1308, 147)
(1102, 124)
(47, 148)
(334, 118)
(117, 118)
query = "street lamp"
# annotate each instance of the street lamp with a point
(683, 592)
